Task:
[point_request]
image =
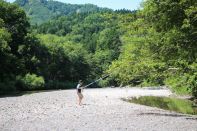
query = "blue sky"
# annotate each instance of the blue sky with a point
(113, 4)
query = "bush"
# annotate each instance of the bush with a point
(185, 83)
(192, 84)
(30, 82)
(178, 84)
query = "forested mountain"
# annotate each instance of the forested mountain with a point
(41, 11)
(98, 34)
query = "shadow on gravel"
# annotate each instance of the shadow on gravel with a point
(18, 94)
(172, 115)
(85, 104)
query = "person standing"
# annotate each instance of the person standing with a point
(79, 91)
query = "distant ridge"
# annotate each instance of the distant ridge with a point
(41, 11)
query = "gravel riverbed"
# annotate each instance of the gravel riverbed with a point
(102, 110)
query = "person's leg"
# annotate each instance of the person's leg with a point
(80, 99)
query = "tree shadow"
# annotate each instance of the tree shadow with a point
(14, 94)
(171, 115)
(21, 93)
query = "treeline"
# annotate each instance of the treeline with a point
(150, 47)
(160, 47)
(58, 53)
(13, 43)
(97, 35)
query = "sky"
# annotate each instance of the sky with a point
(113, 4)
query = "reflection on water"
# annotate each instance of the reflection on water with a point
(173, 104)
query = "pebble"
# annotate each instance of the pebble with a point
(105, 111)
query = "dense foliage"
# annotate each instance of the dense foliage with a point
(161, 47)
(58, 53)
(97, 33)
(13, 30)
(154, 46)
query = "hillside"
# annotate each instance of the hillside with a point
(40, 11)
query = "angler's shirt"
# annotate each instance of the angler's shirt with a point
(78, 86)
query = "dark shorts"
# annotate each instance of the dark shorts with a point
(79, 93)
(78, 90)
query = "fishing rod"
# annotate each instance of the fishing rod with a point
(104, 77)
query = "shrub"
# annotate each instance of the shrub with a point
(178, 84)
(30, 82)
(192, 83)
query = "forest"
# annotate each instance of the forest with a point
(55, 46)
